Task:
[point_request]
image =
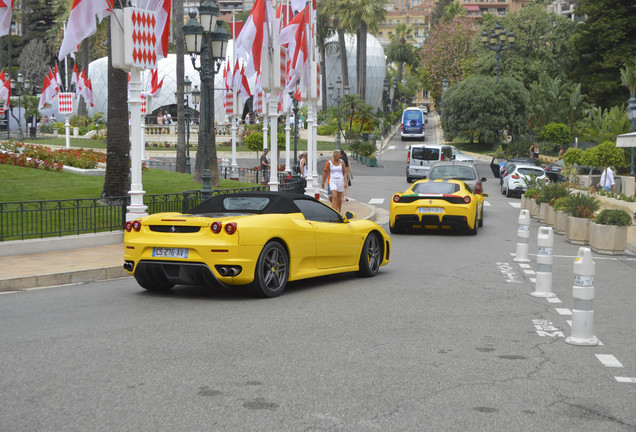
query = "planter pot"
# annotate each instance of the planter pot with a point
(577, 230)
(525, 203)
(550, 215)
(534, 208)
(542, 209)
(608, 239)
(560, 222)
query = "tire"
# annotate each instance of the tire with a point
(272, 271)
(371, 256)
(395, 229)
(409, 179)
(472, 231)
(508, 193)
(152, 278)
(481, 219)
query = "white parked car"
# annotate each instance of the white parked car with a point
(516, 175)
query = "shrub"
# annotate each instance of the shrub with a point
(327, 129)
(613, 217)
(554, 136)
(362, 148)
(572, 156)
(561, 203)
(581, 205)
(551, 192)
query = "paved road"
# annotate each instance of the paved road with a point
(446, 337)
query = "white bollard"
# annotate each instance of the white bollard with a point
(523, 234)
(583, 293)
(543, 285)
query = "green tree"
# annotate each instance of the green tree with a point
(438, 12)
(603, 155)
(601, 44)
(38, 17)
(452, 10)
(605, 125)
(555, 136)
(552, 100)
(479, 106)
(628, 76)
(542, 45)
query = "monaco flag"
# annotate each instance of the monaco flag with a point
(294, 37)
(48, 91)
(81, 23)
(5, 90)
(249, 44)
(162, 7)
(6, 10)
(87, 93)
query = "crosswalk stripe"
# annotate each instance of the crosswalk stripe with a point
(376, 201)
(515, 204)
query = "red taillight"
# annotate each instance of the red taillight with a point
(216, 227)
(128, 226)
(442, 158)
(547, 180)
(396, 198)
(408, 157)
(478, 189)
(230, 228)
(515, 176)
(136, 225)
(467, 199)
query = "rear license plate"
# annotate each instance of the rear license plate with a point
(161, 252)
(430, 210)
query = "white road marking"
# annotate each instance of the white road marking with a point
(609, 360)
(376, 201)
(626, 380)
(569, 322)
(553, 300)
(525, 266)
(391, 147)
(533, 280)
(515, 205)
(487, 204)
(529, 272)
(563, 311)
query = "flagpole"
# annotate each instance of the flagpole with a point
(234, 167)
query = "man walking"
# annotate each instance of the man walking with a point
(265, 166)
(607, 179)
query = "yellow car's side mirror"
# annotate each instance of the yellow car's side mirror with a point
(350, 215)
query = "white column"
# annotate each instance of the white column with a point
(288, 166)
(67, 130)
(312, 178)
(273, 128)
(136, 208)
(234, 174)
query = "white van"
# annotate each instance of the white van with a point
(421, 156)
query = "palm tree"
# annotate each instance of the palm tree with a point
(117, 178)
(628, 76)
(452, 10)
(362, 16)
(365, 114)
(330, 10)
(400, 50)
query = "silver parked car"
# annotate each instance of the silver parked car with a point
(457, 170)
(516, 175)
(460, 156)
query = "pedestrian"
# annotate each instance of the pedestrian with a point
(349, 177)
(534, 150)
(265, 166)
(561, 152)
(303, 164)
(336, 171)
(607, 180)
(302, 121)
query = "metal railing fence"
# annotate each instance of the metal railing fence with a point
(57, 218)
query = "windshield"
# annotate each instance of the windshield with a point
(245, 203)
(425, 153)
(453, 172)
(435, 188)
(530, 172)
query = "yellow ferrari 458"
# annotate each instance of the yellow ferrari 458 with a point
(437, 204)
(262, 239)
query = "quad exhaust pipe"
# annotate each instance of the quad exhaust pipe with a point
(228, 270)
(129, 266)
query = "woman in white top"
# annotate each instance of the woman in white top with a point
(303, 165)
(336, 172)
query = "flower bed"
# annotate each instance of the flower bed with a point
(36, 156)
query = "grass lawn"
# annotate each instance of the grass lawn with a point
(483, 149)
(28, 184)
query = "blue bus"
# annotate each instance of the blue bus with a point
(413, 124)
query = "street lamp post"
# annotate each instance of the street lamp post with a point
(187, 87)
(334, 94)
(631, 115)
(208, 40)
(386, 98)
(499, 41)
(295, 110)
(20, 89)
(395, 88)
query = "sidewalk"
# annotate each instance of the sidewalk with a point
(88, 264)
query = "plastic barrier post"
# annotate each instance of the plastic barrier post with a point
(523, 234)
(545, 241)
(583, 293)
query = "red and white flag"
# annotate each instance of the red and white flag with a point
(81, 82)
(58, 78)
(249, 44)
(87, 93)
(245, 91)
(294, 37)
(75, 77)
(155, 85)
(82, 23)
(163, 8)
(48, 91)
(6, 10)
